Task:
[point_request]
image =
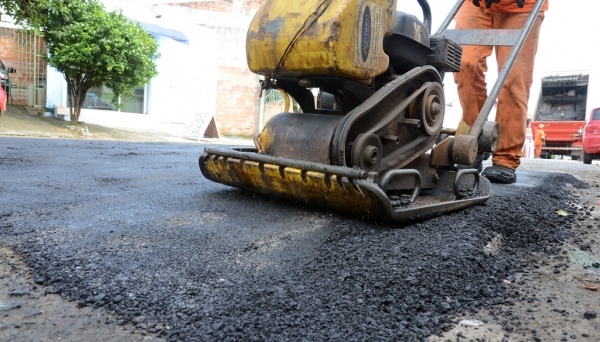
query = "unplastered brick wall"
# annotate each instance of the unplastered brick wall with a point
(237, 107)
(237, 104)
(17, 52)
(246, 7)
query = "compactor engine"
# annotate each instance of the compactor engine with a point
(371, 141)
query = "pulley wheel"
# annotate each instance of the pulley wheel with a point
(367, 152)
(433, 107)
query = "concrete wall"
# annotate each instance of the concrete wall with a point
(56, 94)
(113, 119)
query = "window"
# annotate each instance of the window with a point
(133, 103)
(596, 114)
(101, 98)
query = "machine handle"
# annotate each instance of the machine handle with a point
(457, 179)
(503, 75)
(403, 173)
(510, 61)
(450, 17)
(426, 13)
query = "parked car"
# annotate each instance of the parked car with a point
(591, 137)
(5, 77)
(93, 102)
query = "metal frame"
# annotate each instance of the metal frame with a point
(23, 53)
(494, 36)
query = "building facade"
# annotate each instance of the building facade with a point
(238, 106)
(21, 57)
(208, 74)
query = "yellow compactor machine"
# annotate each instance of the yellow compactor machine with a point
(372, 142)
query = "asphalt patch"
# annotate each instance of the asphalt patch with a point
(342, 279)
(189, 260)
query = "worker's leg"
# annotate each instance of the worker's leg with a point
(470, 81)
(512, 101)
(538, 151)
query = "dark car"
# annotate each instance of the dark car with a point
(4, 71)
(591, 137)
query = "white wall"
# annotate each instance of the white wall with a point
(187, 77)
(186, 84)
(593, 100)
(56, 88)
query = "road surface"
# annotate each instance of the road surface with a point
(129, 237)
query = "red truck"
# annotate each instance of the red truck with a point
(561, 109)
(591, 137)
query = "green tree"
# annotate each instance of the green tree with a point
(92, 47)
(30, 13)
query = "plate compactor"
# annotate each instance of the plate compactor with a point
(372, 142)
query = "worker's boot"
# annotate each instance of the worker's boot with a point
(477, 164)
(500, 174)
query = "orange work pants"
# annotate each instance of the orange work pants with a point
(538, 150)
(511, 112)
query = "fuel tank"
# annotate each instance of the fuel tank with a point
(339, 38)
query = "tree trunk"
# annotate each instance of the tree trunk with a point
(70, 101)
(78, 104)
(82, 89)
(76, 88)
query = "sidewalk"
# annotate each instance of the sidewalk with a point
(32, 122)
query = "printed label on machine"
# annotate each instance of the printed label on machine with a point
(368, 35)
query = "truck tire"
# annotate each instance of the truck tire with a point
(587, 158)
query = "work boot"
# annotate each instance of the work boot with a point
(481, 156)
(500, 174)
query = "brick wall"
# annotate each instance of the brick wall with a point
(228, 6)
(17, 52)
(237, 108)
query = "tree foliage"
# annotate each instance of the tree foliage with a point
(30, 13)
(92, 47)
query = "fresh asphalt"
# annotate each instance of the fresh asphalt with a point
(135, 228)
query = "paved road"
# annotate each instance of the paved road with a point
(136, 229)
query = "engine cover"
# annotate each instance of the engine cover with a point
(339, 38)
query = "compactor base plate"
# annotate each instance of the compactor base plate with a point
(340, 188)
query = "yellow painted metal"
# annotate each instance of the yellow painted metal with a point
(357, 196)
(316, 188)
(265, 138)
(320, 38)
(463, 128)
(287, 100)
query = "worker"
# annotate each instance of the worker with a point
(511, 112)
(3, 99)
(539, 140)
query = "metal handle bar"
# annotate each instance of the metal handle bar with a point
(403, 173)
(459, 176)
(503, 75)
(426, 13)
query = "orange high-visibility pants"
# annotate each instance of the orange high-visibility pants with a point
(512, 101)
(538, 150)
